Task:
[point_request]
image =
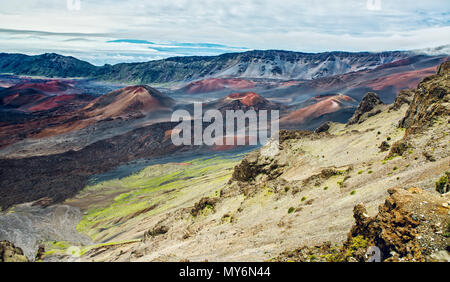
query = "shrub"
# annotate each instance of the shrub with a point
(442, 185)
(291, 210)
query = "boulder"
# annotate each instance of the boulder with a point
(368, 103)
(11, 253)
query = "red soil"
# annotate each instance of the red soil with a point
(52, 103)
(217, 84)
(128, 102)
(247, 98)
(325, 105)
(401, 80)
(51, 86)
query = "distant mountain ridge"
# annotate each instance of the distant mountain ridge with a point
(268, 64)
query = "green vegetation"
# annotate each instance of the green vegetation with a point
(325, 188)
(447, 232)
(303, 199)
(442, 185)
(228, 218)
(360, 172)
(353, 192)
(344, 253)
(291, 210)
(150, 191)
(370, 172)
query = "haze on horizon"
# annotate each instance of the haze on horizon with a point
(105, 31)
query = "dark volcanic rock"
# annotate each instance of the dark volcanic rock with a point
(61, 176)
(384, 146)
(323, 127)
(159, 230)
(203, 203)
(368, 103)
(11, 253)
(404, 97)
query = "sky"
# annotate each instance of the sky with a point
(111, 31)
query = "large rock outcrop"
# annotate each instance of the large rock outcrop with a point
(411, 225)
(368, 103)
(405, 96)
(431, 100)
(11, 253)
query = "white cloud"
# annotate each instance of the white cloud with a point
(308, 25)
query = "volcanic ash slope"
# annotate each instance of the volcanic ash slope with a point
(275, 201)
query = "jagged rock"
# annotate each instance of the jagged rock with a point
(410, 226)
(398, 148)
(325, 174)
(403, 97)
(368, 103)
(444, 68)
(203, 203)
(403, 226)
(40, 252)
(11, 253)
(430, 101)
(384, 146)
(429, 157)
(323, 127)
(294, 134)
(255, 164)
(159, 230)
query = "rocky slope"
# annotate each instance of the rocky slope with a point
(126, 104)
(44, 96)
(367, 105)
(49, 65)
(60, 176)
(411, 225)
(304, 190)
(255, 64)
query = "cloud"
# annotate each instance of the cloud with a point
(187, 27)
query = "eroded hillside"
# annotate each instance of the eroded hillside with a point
(299, 192)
